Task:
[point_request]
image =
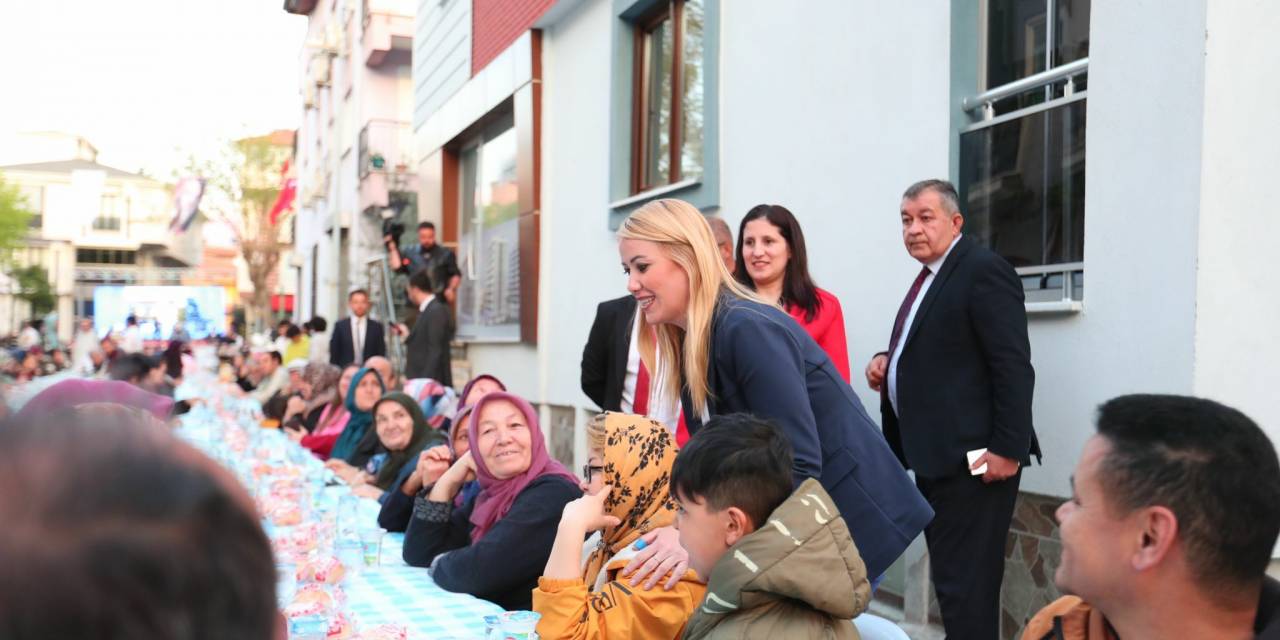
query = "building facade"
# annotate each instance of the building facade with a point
(93, 225)
(353, 154)
(1107, 143)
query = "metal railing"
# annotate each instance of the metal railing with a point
(986, 99)
(1041, 276)
(384, 146)
(132, 275)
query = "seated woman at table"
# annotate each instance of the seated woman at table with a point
(478, 387)
(403, 434)
(320, 397)
(472, 391)
(627, 486)
(333, 419)
(495, 545)
(397, 505)
(302, 409)
(348, 457)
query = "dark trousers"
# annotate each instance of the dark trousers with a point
(966, 550)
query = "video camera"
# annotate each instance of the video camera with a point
(392, 227)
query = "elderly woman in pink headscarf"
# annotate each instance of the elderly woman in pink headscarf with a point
(494, 545)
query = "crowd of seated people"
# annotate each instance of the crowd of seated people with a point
(488, 511)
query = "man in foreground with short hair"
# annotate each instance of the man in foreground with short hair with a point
(778, 563)
(1174, 514)
(130, 534)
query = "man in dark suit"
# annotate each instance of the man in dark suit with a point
(604, 359)
(957, 378)
(427, 345)
(357, 338)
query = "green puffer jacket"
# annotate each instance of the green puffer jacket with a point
(799, 576)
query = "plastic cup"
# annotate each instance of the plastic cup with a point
(492, 627)
(286, 582)
(350, 554)
(519, 625)
(313, 627)
(348, 513)
(371, 546)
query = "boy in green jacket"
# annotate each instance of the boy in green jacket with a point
(779, 564)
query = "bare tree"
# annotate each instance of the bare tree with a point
(242, 183)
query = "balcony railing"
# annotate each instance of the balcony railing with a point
(387, 38)
(384, 147)
(131, 275)
(987, 99)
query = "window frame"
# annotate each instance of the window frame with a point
(37, 208)
(475, 141)
(111, 220)
(974, 115)
(671, 11)
(701, 190)
(525, 107)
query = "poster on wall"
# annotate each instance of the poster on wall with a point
(201, 311)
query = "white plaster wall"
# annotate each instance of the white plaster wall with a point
(515, 364)
(1238, 306)
(1142, 199)
(837, 121)
(579, 256)
(834, 125)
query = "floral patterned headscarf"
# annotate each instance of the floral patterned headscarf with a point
(638, 456)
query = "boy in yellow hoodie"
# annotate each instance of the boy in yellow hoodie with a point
(627, 494)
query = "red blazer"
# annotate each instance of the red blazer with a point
(827, 329)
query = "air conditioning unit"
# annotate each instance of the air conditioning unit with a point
(320, 68)
(335, 39)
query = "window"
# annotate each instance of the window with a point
(667, 118)
(1022, 163)
(489, 234)
(105, 256)
(114, 209)
(34, 202)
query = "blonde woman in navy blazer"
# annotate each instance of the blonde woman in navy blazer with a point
(739, 354)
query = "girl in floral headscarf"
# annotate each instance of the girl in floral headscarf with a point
(627, 487)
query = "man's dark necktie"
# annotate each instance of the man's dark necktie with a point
(906, 309)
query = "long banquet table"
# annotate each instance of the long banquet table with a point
(226, 427)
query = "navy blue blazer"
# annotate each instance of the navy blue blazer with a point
(965, 378)
(764, 363)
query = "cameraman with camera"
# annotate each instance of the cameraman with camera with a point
(440, 263)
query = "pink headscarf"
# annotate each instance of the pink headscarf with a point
(497, 495)
(71, 393)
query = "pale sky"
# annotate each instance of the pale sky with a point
(149, 81)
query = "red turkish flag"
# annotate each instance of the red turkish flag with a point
(288, 191)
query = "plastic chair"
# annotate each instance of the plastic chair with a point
(873, 627)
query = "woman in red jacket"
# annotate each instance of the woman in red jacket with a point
(772, 261)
